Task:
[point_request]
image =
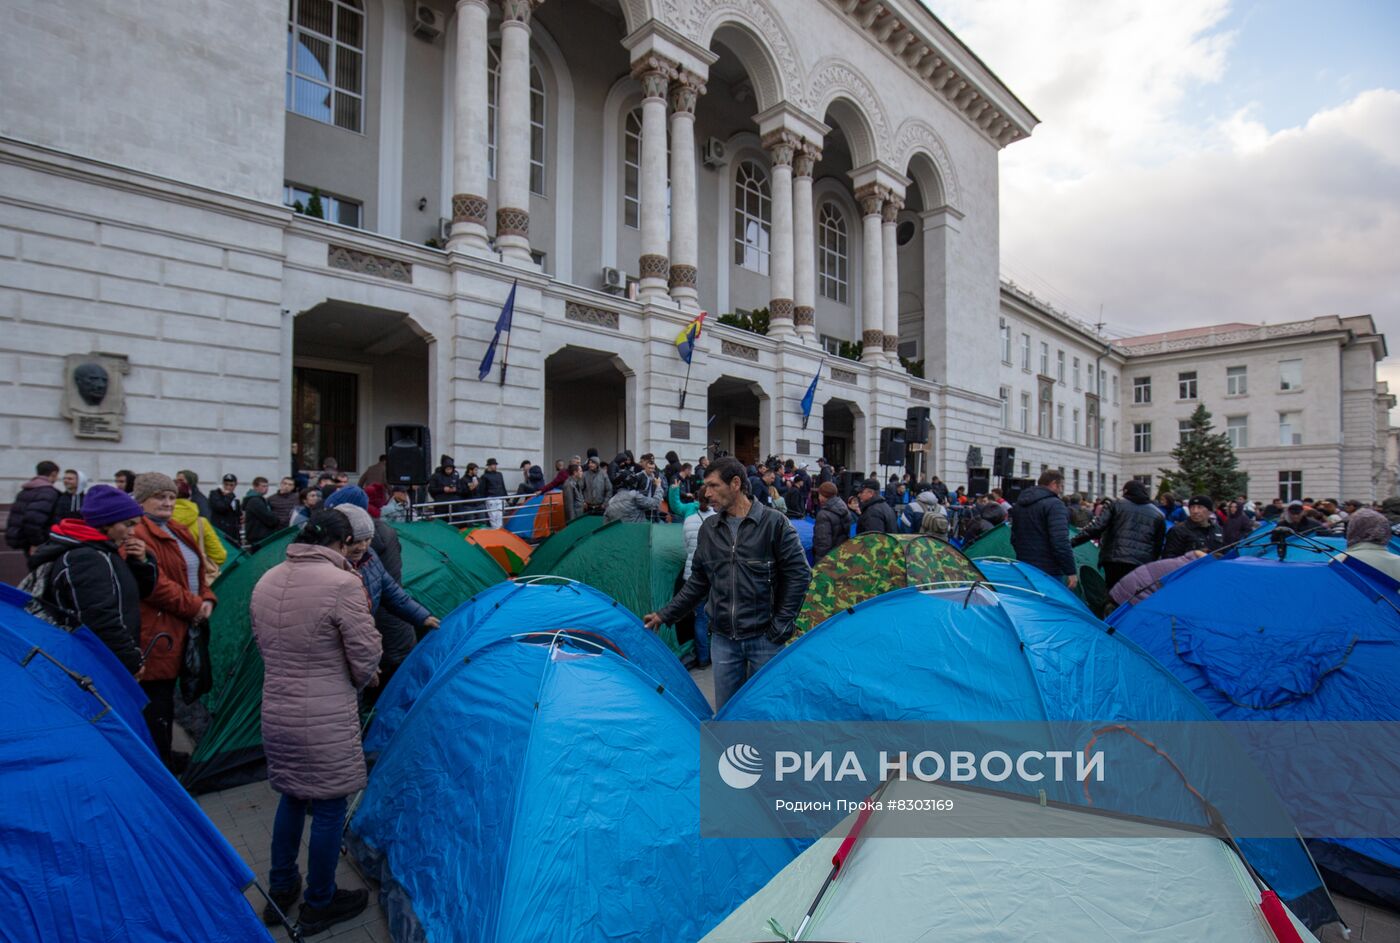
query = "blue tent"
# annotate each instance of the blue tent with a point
(539, 604)
(97, 840)
(84, 653)
(1306, 639)
(1260, 543)
(803, 526)
(1005, 655)
(1025, 576)
(544, 788)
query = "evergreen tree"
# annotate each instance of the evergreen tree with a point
(1205, 463)
(314, 207)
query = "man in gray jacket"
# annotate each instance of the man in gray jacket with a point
(597, 487)
(630, 502)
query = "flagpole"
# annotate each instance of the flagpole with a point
(686, 384)
(505, 358)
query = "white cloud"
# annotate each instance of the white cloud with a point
(1120, 198)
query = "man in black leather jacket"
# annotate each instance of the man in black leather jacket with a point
(750, 567)
(1129, 531)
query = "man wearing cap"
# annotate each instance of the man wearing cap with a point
(1200, 530)
(98, 571)
(493, 487)
(226, 511)
(876, 515)
(181, 595)
(1295, 517)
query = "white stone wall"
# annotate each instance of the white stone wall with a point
(192, 90)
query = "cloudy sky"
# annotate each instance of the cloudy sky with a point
(1200, 161)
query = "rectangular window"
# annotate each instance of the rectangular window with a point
(1237, 431)
(1115, 389)
(325, 405)
(1093, 425)
(1006, 407)
(1236, 381)
(1060, 422)
(335, 209)
(1043, 420)
(1146, 481)
(1290, 374)
(1076, 479)
(1142, 437)
(1092, 493)
(1183, 430)
(1060, 365)
(1103, 378)
(832, 345)
(1005, 341)
(1026, 352)
(1142, 390)
(1076, 374)
(1290, 428)
(1113, 442)
(1044, 359)
(325, 62)
(1186, 385)
(1290, 485)
(1025, 412)
(1074, 430)
(1025, 469)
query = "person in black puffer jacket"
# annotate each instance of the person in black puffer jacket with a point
(1040, 528)
(832, 527)
(33, 511)
(876, 515)
(99, 572)
(1200, 530)
(1130, 533)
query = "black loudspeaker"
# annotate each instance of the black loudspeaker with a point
(979, 482)
(892, 446)
(917, 425)
(409, 450)
(849, 483)
(1004, 461)
(1011, 488)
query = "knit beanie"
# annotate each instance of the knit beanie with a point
(105, 505)
(361, 524)
(349, 494)
(149, 484)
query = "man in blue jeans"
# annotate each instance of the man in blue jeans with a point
(750, 571)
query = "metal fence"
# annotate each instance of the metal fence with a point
(487, 512)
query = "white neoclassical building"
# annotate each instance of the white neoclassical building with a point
(624, 163)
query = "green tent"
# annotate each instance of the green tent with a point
(550, 550)
(866, 566)
(636, 564)
(901, 881)
(440, 570)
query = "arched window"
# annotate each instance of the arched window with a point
(833, 253)
(632, 171)
(326, 61)
(753, 217)
(537, 122)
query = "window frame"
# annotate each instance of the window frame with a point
(493, 111)
(1233, 388)
(1237, 433)
(837, 254)
(1142, 438)
(1004, 393)
(746, 172)
(1025, 413)
(1290, 484)
(331, 80)
(1283, 384)
(1188, 385)
(293, 192)
(1004, 327)
(1292, 420)
(1025, 352)
(1142, 391)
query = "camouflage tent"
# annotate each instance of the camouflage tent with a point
(866, 566)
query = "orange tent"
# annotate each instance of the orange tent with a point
(508, 550)
(538, 517)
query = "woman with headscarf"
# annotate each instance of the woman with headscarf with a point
(312, 624)
(1368, 540)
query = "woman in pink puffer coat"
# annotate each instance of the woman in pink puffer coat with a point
(313, 625)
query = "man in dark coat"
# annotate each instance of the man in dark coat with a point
(260, 520)
(225, 510)
(1040, 528)
(1200, 530)
(833, 524)
(1129, 531)
(876, 515)
(33, 511)
(197, 496)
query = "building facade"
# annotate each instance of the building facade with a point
(288, 225)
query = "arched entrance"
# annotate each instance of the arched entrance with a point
(355, 369)
(843, 433)
(585, 403)
(735, 415)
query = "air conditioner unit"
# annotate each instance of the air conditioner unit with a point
(444, 229)
(713, 153)
(427, 22)
(614, 279)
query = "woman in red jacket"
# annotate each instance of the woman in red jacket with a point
(181, 595)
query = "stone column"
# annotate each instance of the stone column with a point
(655, 74)
(513, 132)
(469, 128)
(889, 213)
(872, 311)
(782, 147)
(684, 223)
(804, 263)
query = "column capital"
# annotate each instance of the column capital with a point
(890, 211)
(782, 146)
(655, 72)
(806, 160)
(871, 198)
(518, 11)
(686, 89)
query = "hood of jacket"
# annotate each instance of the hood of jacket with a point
(304, 554)
(186, 512)
(928, 499)
(836, 506)
(1034, 494)
(66, 535)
